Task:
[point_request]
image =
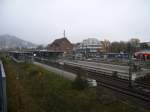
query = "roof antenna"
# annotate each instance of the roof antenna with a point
(64, 33)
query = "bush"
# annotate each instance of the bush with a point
(80, 83)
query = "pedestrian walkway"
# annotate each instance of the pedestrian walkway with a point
(60, 72)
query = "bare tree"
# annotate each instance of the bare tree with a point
(106, 45)
(135, 44)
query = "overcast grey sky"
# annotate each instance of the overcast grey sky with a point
(42, 21)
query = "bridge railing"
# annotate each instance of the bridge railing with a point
(3, 99)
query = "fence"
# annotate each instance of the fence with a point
(3, 100)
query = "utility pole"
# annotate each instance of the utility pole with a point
(86, 52)
(82, 52)
(130, 66)
(64, 33)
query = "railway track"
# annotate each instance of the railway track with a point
(123, 91)
(104, 78)
(117, 84)
(108, 73)
(114, 81)
(120, 85)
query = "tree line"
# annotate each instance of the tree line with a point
(132, 45)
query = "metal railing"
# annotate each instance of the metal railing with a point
(3, 99)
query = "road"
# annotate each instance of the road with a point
(60, 72)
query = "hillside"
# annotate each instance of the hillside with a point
(8, 41)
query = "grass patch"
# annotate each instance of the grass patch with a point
(33, 89)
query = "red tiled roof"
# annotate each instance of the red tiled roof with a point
(62, 44)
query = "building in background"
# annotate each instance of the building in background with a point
(61, 45)
(88, 48)
(145, 46)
